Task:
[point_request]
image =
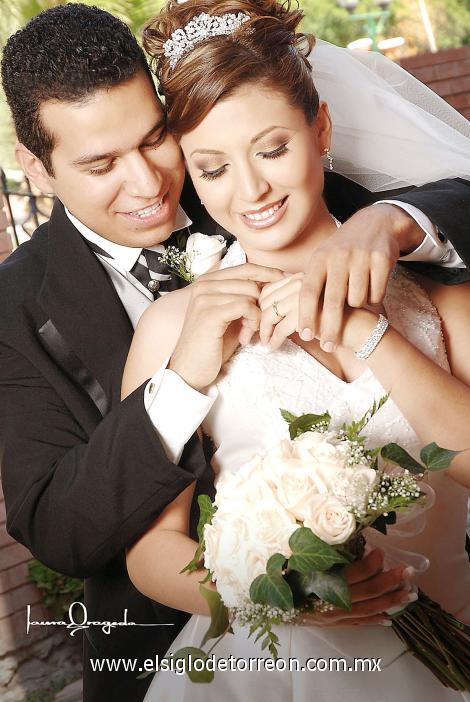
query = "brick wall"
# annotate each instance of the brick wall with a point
(45, 659)
(447, 73)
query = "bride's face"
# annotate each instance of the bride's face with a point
(256, 164)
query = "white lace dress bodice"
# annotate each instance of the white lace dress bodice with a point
(245, 420)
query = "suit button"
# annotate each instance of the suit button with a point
(153, 285)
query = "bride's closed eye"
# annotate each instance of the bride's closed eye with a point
(212, 175)
(275, 153)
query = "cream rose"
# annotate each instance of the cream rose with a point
(224, 538)
(271, 528)
(277, 460)
(248, 485)
(330, 520)
(324, 448)
(250, 525)
(203, 252)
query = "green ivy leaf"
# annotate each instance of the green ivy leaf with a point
(396, 454)
(196, 562)
(288, 416)
(207, 578)
(196, 676)
(436, 458)
(331, 587)
(272, 589)
(219, 614)
(310, 553)
(207, 510)
(307, 422)
(276, 564)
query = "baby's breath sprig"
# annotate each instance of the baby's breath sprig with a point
(261, 618)
(393, 493)
(178, 262)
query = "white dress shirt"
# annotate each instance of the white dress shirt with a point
(434, 248)
(175, 409)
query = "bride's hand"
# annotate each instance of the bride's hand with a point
(373, 591)
(217, 300)
(279, 303)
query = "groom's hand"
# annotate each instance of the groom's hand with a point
(353, 266)
(209, 337)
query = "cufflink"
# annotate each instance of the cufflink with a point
(153, 285)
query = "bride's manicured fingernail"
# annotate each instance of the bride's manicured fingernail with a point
(306, 334)
(395, 610)
(408, 572)
(412, 597)
(328, 346)
(386, 622)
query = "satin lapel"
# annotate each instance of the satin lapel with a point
(58, 348)
(90, 332)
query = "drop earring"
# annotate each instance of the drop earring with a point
(329, 157)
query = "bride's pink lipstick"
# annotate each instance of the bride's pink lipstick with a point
(265, 216)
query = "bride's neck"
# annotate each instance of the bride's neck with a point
(294, 256)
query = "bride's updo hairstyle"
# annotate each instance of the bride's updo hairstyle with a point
(265, 50)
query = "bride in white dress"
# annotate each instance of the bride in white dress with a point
(255, 158)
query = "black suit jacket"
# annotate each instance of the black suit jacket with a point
(84, 474)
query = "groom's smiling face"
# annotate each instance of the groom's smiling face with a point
(114, 166)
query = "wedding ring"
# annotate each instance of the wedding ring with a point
(281, 316)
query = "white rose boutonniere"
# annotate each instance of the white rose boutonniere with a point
(202, 254)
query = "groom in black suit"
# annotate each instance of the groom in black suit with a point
(84, 474)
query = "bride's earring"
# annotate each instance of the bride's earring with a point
(329, 157)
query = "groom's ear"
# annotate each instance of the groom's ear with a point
(34, 169)
(322, 126)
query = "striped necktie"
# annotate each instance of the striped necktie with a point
(154, 275)
(148, 270)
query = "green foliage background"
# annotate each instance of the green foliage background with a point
(450, 19)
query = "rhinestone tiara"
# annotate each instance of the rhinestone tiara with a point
(200, 28)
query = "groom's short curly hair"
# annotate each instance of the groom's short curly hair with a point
(65, 53)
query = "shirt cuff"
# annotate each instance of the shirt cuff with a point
(434, 248)
(175, 409)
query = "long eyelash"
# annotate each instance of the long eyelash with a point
(101, 171)
(280, 151)
(212, 175)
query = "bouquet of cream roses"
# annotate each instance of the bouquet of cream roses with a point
(283, 527)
